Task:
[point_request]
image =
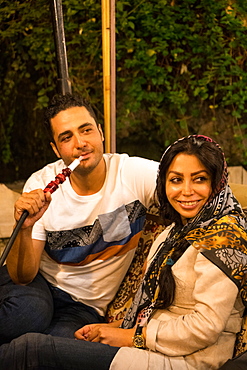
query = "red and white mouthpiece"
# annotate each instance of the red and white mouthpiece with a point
(75, 163)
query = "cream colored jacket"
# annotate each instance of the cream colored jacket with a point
(199, 330)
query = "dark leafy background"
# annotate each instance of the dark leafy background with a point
(181, 69)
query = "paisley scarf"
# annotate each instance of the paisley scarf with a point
(218, 231)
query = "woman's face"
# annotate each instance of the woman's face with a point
(188, 185)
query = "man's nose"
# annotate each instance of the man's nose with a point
(79, 141)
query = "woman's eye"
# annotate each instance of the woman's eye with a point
(201, 179)
(175, 180)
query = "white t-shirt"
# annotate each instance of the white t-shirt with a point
(91, 240)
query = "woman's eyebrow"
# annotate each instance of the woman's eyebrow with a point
(192, 174)
(197, 172)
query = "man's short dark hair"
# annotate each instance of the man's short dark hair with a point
(62, 102)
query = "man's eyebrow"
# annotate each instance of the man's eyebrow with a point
(64, 133)
(86, 124)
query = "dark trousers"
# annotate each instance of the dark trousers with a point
(41, 308)
(237, 363)
(44, 352)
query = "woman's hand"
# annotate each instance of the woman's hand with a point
(107, 334)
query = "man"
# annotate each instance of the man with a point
(76, 245)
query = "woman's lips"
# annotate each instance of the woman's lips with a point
(188, 204)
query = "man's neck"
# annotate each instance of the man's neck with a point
(91, 183)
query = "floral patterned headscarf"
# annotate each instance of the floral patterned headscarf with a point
(222, 215)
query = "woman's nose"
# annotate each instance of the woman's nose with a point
(187, 188)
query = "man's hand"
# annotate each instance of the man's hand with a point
(107, 334)
(36, 203)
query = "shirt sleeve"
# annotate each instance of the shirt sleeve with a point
(214, 295)
(140, 176)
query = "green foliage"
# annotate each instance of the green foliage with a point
(28, 74)
(27, 54)
(181, 69)
(179, 56)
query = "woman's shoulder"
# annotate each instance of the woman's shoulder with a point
(232, 223)
(160, 239)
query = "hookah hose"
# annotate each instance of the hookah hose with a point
(51, 187)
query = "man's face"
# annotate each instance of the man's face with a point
(76, 133)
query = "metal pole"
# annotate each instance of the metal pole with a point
(63, 82)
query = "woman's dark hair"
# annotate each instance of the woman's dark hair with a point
(212, 157)
(62, 102)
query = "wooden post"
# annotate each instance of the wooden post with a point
(113, 76)
(108, 54)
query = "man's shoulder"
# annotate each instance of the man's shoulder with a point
(136, 173)
(50, 169)
(125, 159)
(44, 175)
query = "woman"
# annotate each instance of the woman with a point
(188, 309)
